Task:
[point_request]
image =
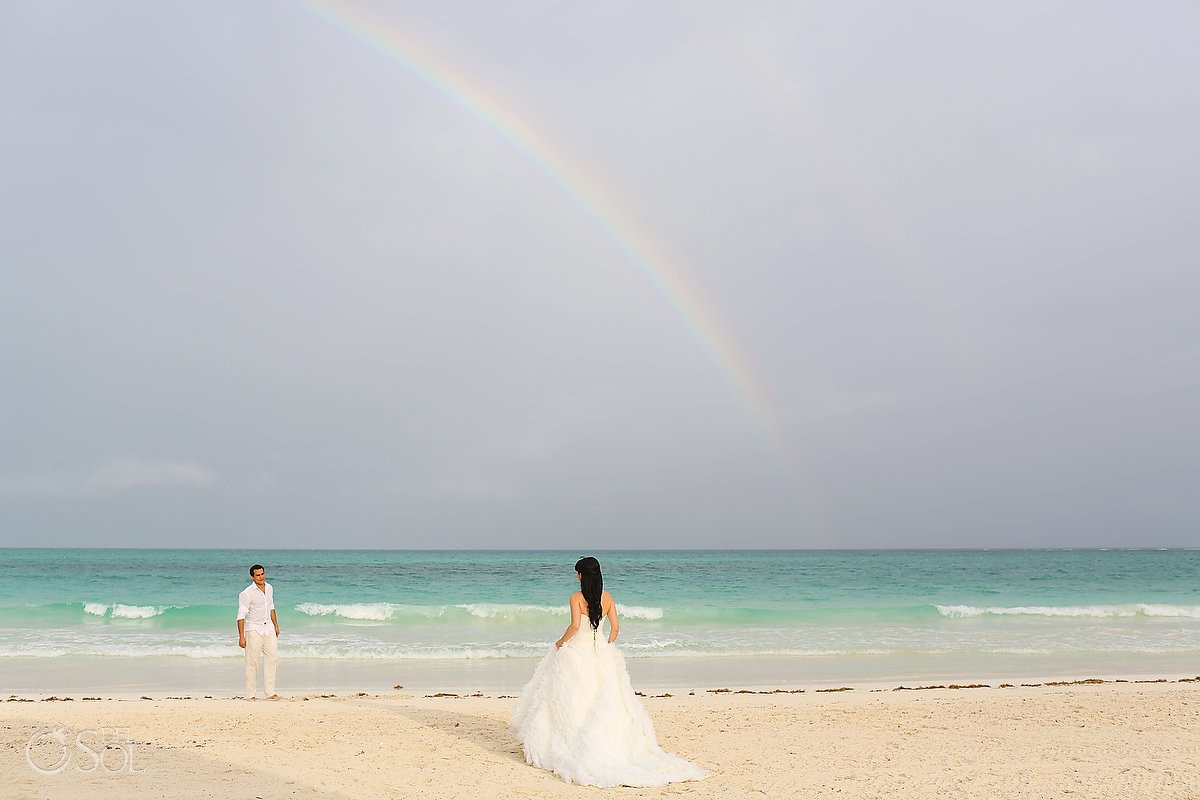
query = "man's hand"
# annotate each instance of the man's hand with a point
(242, 642)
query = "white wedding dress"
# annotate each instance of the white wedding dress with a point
(579, 717)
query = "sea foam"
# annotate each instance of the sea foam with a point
(464, 612)
(1096, 611)
(374, 612)
(511, 611)
(123, 611)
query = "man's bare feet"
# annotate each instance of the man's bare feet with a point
(274, 697)
(251, 699)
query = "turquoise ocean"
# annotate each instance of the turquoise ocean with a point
(120, 619)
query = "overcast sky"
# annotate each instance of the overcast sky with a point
(600, 274)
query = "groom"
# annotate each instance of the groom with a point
(258, 630)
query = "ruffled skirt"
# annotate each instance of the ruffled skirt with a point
(578, 716)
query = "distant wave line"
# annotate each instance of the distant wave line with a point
(652, 649)
(383, 612)
(472, 614)
(1095, 611)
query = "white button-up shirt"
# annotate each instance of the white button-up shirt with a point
(255, 607)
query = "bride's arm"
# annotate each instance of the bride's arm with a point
(614, 626)
(573, 628)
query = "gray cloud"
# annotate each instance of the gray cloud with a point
(114, 476)
(122, 474)
(949, 247)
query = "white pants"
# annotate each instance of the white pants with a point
(260, 644)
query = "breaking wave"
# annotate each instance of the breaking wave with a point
(1098, 611)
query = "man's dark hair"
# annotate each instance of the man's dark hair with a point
(256, 568)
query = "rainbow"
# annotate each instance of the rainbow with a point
(570, 178)
(636, 245)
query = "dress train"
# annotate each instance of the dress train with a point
(578, 716)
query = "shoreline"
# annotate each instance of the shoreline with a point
(180, 675)
(730, 689)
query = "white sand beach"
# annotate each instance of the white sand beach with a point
(1080, 740)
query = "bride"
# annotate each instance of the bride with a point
(578, 715)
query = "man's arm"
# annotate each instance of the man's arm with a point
(276, 622)
(243, 610)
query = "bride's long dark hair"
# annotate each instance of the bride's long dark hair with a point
(591, 583)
